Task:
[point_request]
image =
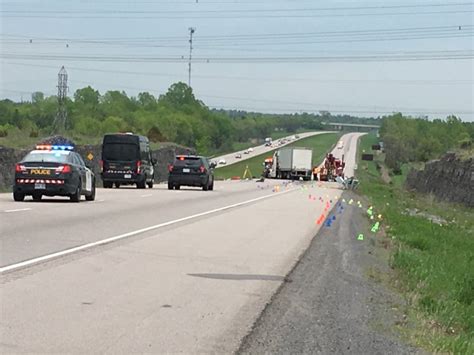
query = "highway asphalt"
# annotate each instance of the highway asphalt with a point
(189, 271)
(257, 150)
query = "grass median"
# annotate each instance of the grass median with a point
(320, 144)
(432, 252)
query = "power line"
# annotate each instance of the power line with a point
(441, 55)
(308, 107)
(316, 110)
(319, 104)
(264, 79)
(182, 2)
(231, 16)
(305, 104)
(273, 10)
(251, 36)
(267, 41)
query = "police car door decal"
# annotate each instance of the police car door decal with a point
(88, 180)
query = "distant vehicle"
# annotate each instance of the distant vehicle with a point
(191, 170)
(246, 152)
(250, 150)
(53, 170)
(340, 145)
(238, 156)
(297, 137)
(268, 142)
(222, 162)
(127, 160)
(290, 163)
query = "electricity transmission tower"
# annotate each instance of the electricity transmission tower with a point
(61, 115)
(191, 33)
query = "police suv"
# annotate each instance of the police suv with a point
(53, 170)
(127, 160)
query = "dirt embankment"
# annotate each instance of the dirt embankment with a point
(449, 179)
(9, 157)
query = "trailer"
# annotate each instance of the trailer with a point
(290, 163)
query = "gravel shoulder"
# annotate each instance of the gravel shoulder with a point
(332, 301)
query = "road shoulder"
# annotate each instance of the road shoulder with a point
(332, 301)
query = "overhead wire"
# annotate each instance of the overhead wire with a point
(273, 10)
(252, 36)
(232, 16)
(320, 107)
(258, 78)
(440, 55)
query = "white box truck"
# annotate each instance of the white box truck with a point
(292, 163)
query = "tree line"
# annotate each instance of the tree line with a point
(408, 139)
(176, 116)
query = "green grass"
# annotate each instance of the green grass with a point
(434, 263)
(281, 134)
(241, 146)
(320, 144)
(18, 140)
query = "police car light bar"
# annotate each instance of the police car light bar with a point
(54, 147)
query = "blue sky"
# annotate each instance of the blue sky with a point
(82, 35)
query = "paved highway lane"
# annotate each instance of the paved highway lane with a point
(230, 158)
(194, 286)
(31, 229)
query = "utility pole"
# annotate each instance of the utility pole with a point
(61, 115)
(191, 32)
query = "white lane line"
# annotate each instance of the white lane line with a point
(17, 210)
(147, 195)
(133, 233)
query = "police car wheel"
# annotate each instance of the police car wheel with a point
(76, 197)
(107, 184)
(91, 197)
(150, 184)
(37, 197)
(18, 196)
(170, 186)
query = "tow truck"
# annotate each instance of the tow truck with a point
(331, 168)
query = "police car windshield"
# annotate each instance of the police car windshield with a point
(187, 161)
(44, 156)
(120, 152)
